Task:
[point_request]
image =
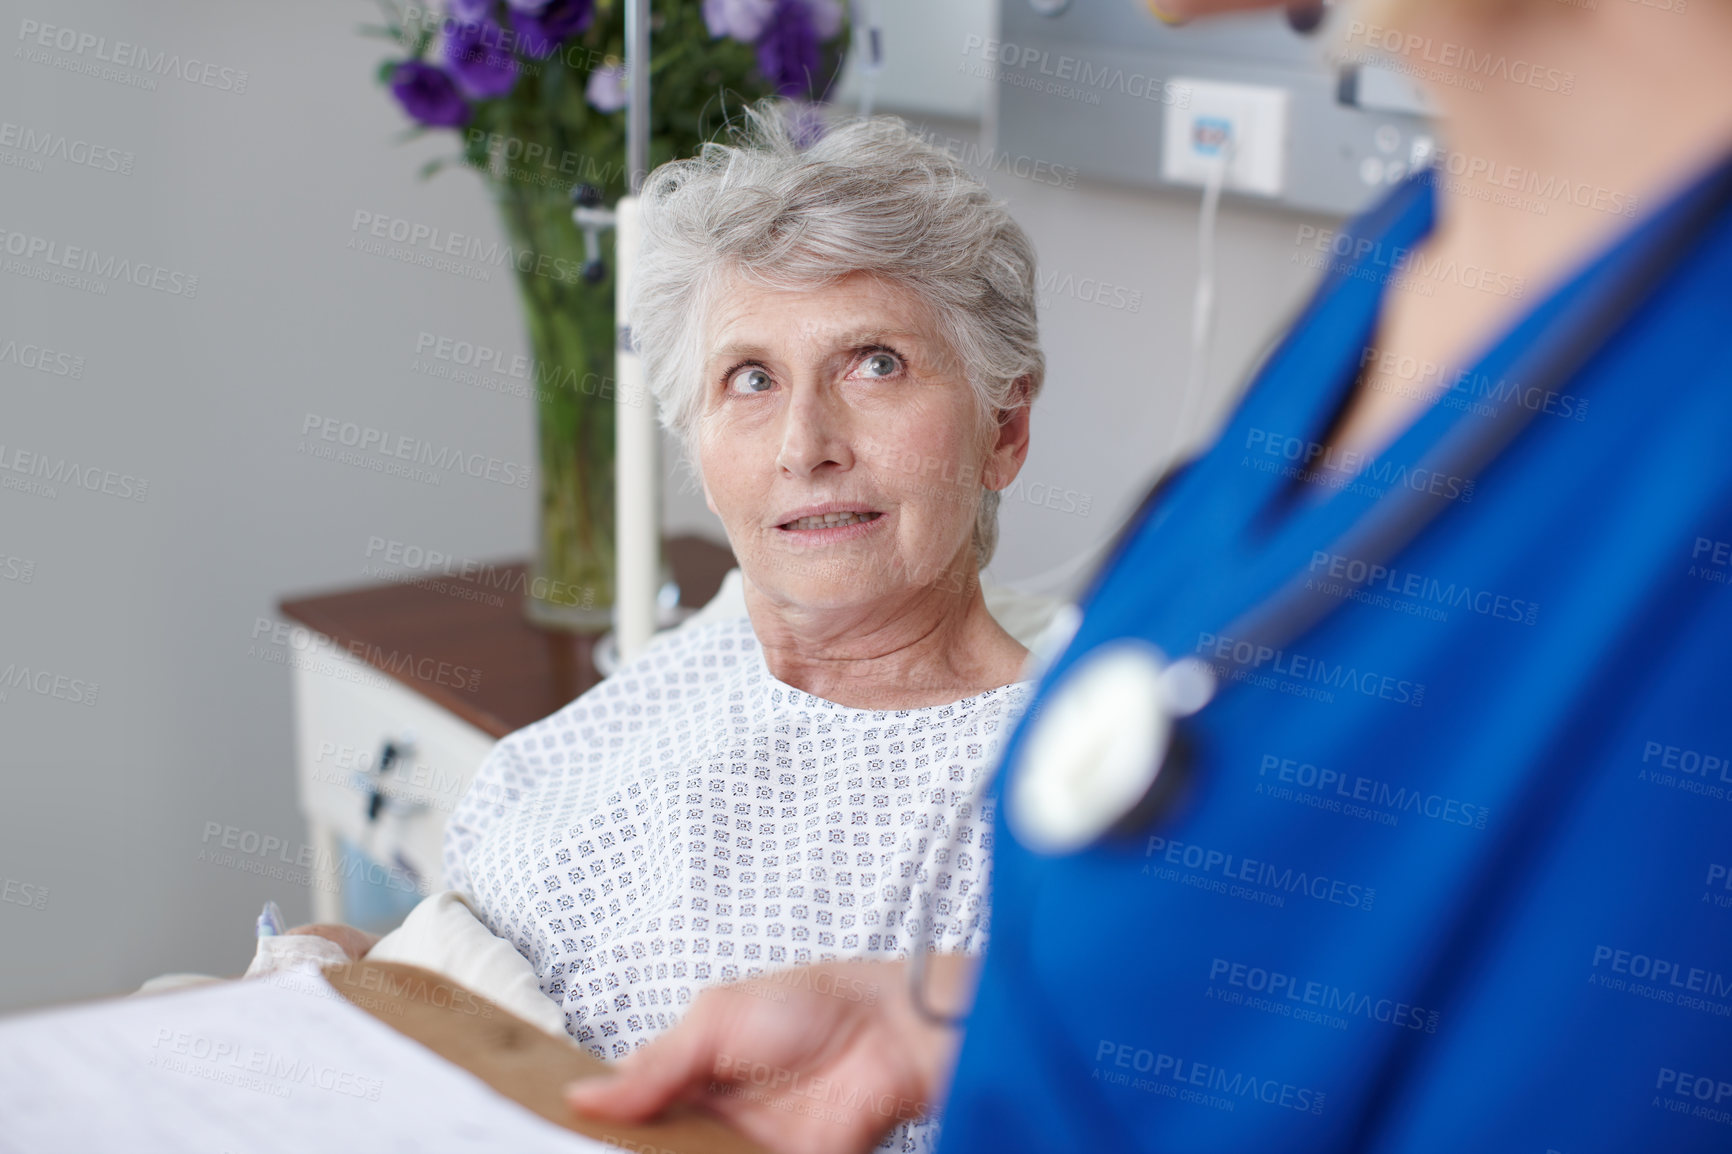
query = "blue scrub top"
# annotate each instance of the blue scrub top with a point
(1451, 869)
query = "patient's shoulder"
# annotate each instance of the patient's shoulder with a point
(702, 653)
(718, 634)
(683, 683)
(678, 671)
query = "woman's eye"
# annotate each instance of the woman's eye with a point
(749, 380)
(880, 365)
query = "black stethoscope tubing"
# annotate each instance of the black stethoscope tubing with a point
(1557, 356)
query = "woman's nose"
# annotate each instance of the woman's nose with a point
(814, 435)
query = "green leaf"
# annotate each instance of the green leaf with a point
(432, 167)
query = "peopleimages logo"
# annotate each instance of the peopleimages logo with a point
(1351, 470)
(45, 145)
(1372, 577)
(1062, 69)
(1670, 979)
(1460, 62)
(405, 666)
(393, 447)
(1089, 290)
(45, 472)
(1704, 1096)
(1238, 660)
(41, 359)
(1322, 996)
(532, 162)
(473, 580)
(46, 683)
(434, 247)
(1206, 863)
(24, 894)
(976, 155)
(495, 369)
(1464, 388)
(90, 262)
(220, 1060)
(1393, 799)
(1527, 187)
(1121, 1059)
(1343, 252)
(123, 54)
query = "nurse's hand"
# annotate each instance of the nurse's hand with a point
(352, 941)
(819, 1058)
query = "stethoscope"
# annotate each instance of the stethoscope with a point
(1103, 751)
(1106, 748)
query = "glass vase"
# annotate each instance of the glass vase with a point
(568, 308)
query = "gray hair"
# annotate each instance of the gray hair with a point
(869, 196)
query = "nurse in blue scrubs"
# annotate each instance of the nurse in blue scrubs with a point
(1383, 799)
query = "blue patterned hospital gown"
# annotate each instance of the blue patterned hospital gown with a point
(692, 820)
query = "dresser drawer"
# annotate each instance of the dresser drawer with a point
(349, 720)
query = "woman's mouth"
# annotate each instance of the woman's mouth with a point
(830, 521)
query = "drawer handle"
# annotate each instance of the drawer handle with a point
(389, 754)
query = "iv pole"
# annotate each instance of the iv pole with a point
(637, 473)
(637, 504)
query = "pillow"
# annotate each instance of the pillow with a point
(443, 934)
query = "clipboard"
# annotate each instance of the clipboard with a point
(516, 1059)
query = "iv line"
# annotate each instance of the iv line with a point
(1202, 326)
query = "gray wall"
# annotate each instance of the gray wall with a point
(154, 600)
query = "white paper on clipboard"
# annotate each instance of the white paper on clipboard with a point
(256, 1067)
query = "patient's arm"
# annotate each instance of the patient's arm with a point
(821, 1058)
(352, 941)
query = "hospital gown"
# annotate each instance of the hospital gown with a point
(693, 820)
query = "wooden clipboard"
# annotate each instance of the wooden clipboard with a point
(512, 1056)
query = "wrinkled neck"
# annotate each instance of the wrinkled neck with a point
(921, 646)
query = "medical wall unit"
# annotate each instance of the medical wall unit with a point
(1302, 107)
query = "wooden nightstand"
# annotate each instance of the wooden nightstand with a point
(400, 691)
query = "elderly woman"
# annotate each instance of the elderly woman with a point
(774, 790)
(844, 337)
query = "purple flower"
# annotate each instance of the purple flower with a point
(542, 26)
(606, 88)
(826, 17)
(788, 50)
(479, 61)
(428, 95)
(742, 19)
(469, 11)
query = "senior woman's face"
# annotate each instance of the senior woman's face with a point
(841, 445)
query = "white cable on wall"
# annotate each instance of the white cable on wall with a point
(1202, 328)
(1202, 303)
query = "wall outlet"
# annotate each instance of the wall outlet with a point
(1241, 126)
